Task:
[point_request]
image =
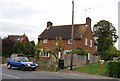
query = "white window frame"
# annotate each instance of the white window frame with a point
(45, 41)
(90, 43)
(81, 36)
(59, 55)
(70, 41)
(46, 55)
(86, 41)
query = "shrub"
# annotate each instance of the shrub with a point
(78, 51)
(55, 69)
(113, 69)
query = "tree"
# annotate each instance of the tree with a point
(8, 46)
(105, 34)
(37, 51)
(27, 48)
(110, 53)
(32, 48)
(59, 47)
(19, 48)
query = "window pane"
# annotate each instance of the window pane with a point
(45, 41)
(86, 41)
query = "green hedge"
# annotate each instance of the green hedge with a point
(113, 69)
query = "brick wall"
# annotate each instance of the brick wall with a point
(77, 43)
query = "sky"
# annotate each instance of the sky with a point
(31, 16)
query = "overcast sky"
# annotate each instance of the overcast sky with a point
(30, 16)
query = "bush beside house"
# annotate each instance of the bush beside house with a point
(113, 69)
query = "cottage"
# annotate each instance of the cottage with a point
(9, 43)
(15, 38)
(83, 36)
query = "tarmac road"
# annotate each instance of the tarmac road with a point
(64, 74)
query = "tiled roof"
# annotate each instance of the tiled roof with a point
(63, 31)
(16, 38)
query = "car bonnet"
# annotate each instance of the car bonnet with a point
(28, 63)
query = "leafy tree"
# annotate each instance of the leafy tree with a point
(118, 54)
(110, 53)
(59, 47)
(32, 48)
(8, 46)
(105, 34)
(37, 51)
(19, 48)
(27, 48)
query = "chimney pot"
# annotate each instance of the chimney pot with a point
(88, 21)
(49, 24)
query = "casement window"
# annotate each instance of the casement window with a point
(90, 43)
(46, 54)
(86, 41)
(69, 41)
(96, 47)
(81, 36)
(45, 41)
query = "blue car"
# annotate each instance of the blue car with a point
(22, 63)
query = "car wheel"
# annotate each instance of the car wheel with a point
(33, 69)
(23, 68)
(9, 66)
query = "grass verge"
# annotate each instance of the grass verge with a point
(93, 68)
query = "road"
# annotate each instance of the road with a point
(18, 74)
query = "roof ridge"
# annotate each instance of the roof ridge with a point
(67, 25)
(15, 35)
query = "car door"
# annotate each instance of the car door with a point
(16, 62)
(11, 61)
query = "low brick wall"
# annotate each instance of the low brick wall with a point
(44, 64)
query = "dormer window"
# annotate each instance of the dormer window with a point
(45, 41)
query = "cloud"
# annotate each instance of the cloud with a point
(30, 16)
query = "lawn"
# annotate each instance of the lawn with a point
(93, 68)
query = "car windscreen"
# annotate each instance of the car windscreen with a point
(17, 55)
(22, 59)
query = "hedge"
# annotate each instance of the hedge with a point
(113, 69)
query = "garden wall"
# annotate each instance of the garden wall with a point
(79, 59)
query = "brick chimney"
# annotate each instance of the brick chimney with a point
(88, 21)
(49, 24)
